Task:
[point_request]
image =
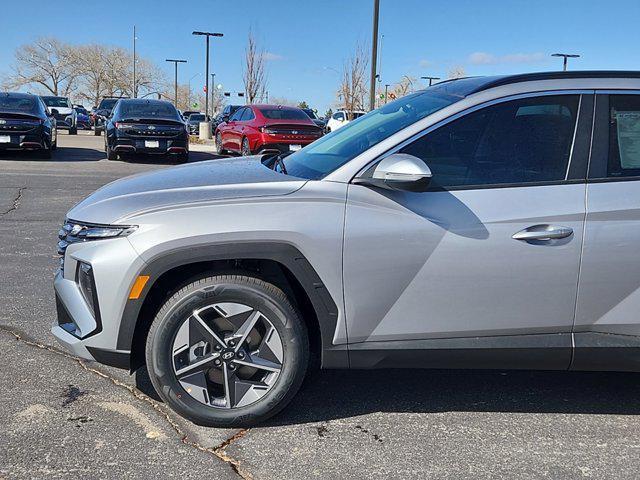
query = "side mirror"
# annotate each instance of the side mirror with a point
(225, 118)
(398, 171)
(54, 112)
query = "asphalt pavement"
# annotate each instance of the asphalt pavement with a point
(61, 417)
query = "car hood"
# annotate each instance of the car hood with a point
(123, 200)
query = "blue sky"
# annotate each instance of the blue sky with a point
(307, 39)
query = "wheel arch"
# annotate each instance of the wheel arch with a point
(278, 263)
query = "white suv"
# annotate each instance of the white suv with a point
(341, 118)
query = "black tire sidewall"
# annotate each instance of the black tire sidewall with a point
(214, 290)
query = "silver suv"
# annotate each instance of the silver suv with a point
(481, 223)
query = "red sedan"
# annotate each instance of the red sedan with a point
(261, 128)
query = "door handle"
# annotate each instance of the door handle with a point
(543, 232)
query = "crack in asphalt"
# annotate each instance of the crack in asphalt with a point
(16, 201)
(218, 451)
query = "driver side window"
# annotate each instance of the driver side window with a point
(515, 142)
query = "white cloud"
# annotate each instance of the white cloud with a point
(484, 58)
(424, 63)
(270, 56)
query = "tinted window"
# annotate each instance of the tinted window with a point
(194, 117)
(247, 115)
(283, 114)
(237, 115)
(310, 113)
(18, 104)
(53, 102)
(107, 103)
(624, 136)
(147, 109)
(334, 150)
(520, 141)
(338, 116)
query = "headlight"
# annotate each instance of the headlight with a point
(73, 232)
(96, 232)
(87, 285)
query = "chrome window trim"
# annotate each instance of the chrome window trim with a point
(475, 108)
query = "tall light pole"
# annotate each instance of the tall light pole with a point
(386, 90)
(565, 56)
(431, 79)
(206, 75)
(175, 82)
(135, 88)
(374, 55)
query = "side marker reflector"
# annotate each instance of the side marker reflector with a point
(139, 284)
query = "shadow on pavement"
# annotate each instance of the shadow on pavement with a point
(335, 394)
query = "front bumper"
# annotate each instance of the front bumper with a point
(114, 263)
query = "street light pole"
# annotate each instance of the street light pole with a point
(207, 34)
(175, 83)
(431, 79)
(386, 90)
(565, 56)
(374, 55)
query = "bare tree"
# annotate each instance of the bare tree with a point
(255, 76)
(48, 63)
(353, 85)
(404, 87)
(457, 72)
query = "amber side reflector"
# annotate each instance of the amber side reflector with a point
(139, 284)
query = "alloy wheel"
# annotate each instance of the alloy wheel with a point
(227, 355)
(246, 151)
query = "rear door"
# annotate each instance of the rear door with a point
(484, 266)
(607, 325)
(231, 137)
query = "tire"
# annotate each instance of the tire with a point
(97, 132)
(208, 403)
(182, 157)
(219, 149)
(111, 155)
(245, 149)
(54, 145)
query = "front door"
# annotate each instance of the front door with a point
(488, 259)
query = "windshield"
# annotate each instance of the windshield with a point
(283, 114)
(18, 104)
(56, 102)
(330, 152)
(107, 103)
(310, 113)
(147, 109)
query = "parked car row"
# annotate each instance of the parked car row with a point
(134, 126)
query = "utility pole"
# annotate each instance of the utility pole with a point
(431, 79)
(374, 54)
(175, 83)
(386, 90)
(206, 74)
(565, 56)
(135, 88)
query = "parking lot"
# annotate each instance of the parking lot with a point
(62, 417)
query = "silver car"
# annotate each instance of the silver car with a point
(482, 223)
